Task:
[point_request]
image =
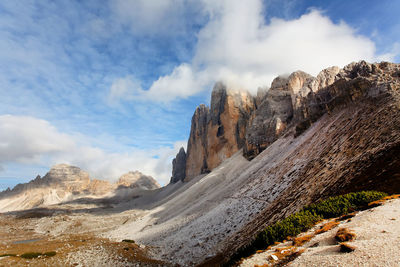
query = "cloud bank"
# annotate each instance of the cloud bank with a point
(238, 47)
(30, 140)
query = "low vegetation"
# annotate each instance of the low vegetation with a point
(8, 254)
(299, 241)
(326, 227)
(32, 255)
(344, 234)
(306, 218)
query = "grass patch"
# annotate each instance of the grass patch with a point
(306, 218)
(32, 255)
(49, 254)
(8, 254)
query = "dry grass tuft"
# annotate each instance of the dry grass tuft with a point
(326, 227)
(383, 200)
(299, 241)
(344, 234)
(376, 203)
(346, 247)
(291, 256)
(392, 197)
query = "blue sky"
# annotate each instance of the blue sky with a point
(111, 86)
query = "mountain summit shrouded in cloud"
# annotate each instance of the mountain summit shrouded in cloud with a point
(111, 87)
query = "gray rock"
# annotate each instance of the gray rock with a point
(179, 166)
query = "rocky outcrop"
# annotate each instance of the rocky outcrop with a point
(196, 157)
(219, 131)
(137, 180)
(179, 166)
(298, 101)
(293, 103)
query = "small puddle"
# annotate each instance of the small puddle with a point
(26, 241)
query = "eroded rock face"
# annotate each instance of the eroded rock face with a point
(291, 105)
(137, 179)
(196, 157)
(219, 131)
(70, 177)
(300, 100)
(179, 166)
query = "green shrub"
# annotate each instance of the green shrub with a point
(306, 218)
(8, 254)
(31, 255)
(49, 254)
(340, 205)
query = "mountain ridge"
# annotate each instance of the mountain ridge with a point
(64, 182)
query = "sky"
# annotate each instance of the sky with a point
(111, 86)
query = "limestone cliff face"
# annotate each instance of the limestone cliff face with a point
(293, 103)
(196, 157)
(300, 100)
(219, 131)
(179, 167)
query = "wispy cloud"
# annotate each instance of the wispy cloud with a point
(30, 140)
(237, 46)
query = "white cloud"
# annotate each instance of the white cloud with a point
(238, 47)
(28, 140)
(123, 89)
(149, 17)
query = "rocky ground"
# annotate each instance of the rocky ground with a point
(376, 243)
(73, 235)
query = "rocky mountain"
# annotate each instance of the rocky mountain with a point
(64, 183)
(137, 180)
(216, 133)
(238, 120)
